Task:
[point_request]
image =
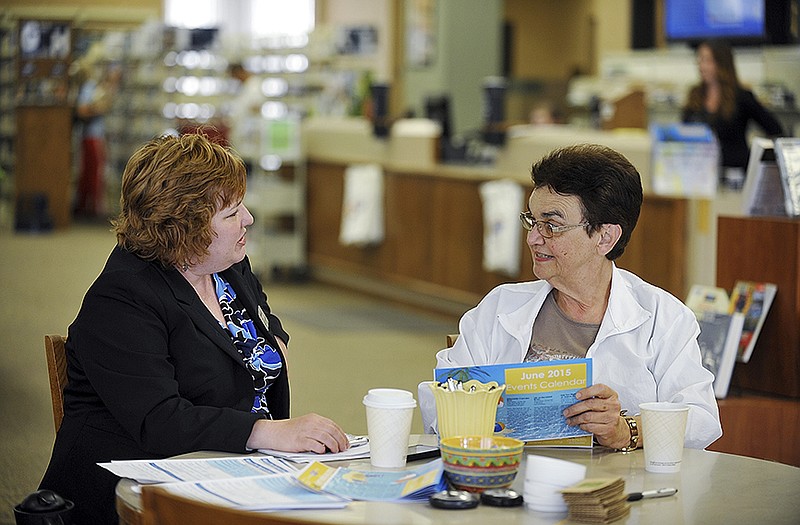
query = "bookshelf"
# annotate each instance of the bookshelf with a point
(766, 249)
(761, 415)
(43, 122)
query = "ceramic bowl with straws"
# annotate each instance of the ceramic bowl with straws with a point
(477, 463)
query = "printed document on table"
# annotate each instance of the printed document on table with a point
(171, 470)
(375, 485)
(536, 394)
(274, 492)
(356, 451)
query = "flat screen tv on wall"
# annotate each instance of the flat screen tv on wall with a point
(741, 22)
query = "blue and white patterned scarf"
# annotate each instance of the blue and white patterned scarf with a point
(263, 361)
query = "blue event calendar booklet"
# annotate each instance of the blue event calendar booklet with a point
(531, 407)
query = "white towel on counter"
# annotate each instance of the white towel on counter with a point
(362, 206)
(502, 202)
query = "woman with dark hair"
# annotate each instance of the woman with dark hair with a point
(175, 348)
(643, 341)
(720, 101)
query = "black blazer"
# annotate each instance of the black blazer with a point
(152, 374)
(732, 133)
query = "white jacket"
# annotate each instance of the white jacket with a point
(646, 348)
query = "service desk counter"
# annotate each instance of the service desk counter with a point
(432, 252)
(712, 488)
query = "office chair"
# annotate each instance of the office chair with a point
(161, 507)
(57, 373)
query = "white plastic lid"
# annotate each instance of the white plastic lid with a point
(389, 398)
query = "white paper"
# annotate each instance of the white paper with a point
(354, 452)
(278, 491)
(172, 470)
(361, 451)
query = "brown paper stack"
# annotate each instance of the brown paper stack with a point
(596, 500)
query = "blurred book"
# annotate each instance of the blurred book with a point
(704, 299)
(787, 154)
(753, 299)
(719, 345)
(763, 193)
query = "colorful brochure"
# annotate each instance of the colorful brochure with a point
(753, 299)
(415, 484)
(536, 394)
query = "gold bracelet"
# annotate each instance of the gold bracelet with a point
(633, 426)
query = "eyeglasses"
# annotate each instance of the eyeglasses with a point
(545, 228)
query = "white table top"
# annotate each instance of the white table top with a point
(712, 488)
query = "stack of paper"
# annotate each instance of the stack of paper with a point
(202, 469)
(596, 500)
(256, 482)
(272, 492)
(359, 449)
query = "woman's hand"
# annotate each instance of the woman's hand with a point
(597, 411)
(308, 433)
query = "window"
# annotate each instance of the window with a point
(279, 17)
(192, 14)
(266, 18)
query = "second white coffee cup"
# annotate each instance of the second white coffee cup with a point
(389, 415)
(663, 427)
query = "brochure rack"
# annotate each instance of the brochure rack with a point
(761, 415)
(747, 249)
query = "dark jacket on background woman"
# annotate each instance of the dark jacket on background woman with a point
(732, 132)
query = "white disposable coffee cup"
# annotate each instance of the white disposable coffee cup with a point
(663, 428)
(389, 414)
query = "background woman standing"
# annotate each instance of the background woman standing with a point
(720, 101)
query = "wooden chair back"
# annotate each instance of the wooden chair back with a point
(451, 340)
(57, 373)
(161, 507)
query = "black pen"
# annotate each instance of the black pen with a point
(658, 493)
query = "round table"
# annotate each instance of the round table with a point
(712, 488)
